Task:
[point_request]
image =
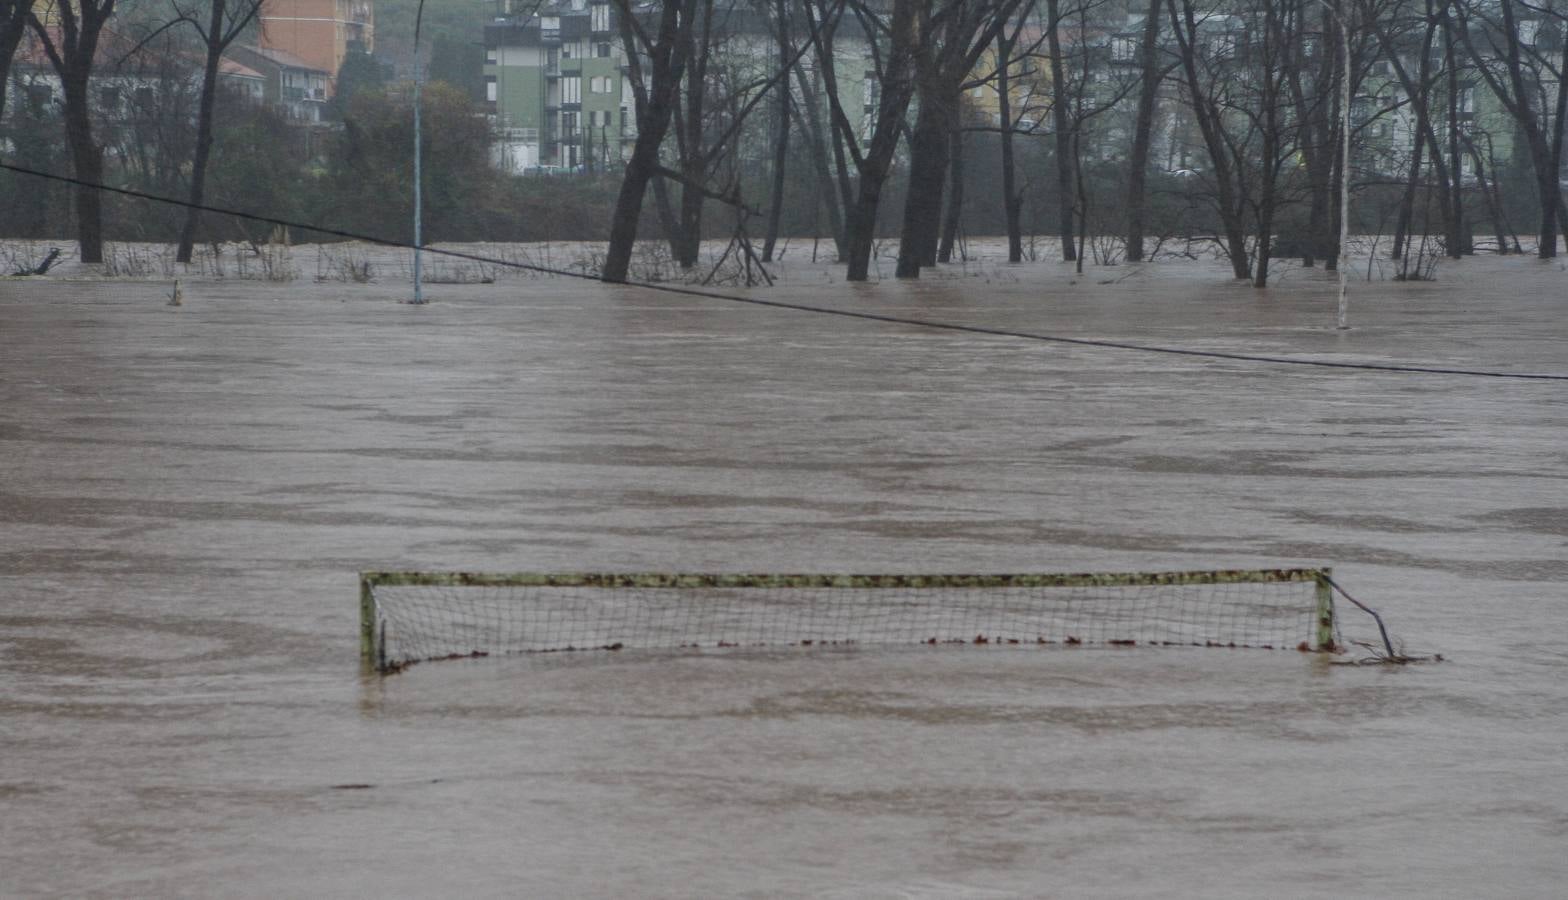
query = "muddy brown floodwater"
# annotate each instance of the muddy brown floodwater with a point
(186, 494)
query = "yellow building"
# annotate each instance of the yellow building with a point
(1028, 89)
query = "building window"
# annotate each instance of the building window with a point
(490, 55)
(571, 90)
(602, 49)
(490, 88)
(599, 17)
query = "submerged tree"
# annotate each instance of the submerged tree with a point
(1150, 75)
(223, 23)
(656, 62)
(893, 42)
(952, 37)
(72, 48)
(1525, 69)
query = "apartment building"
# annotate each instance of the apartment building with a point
(555, 81)
(318, 33)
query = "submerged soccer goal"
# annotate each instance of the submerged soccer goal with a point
(407, 617)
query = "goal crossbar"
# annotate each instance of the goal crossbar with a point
(409, 616)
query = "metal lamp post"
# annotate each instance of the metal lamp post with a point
(418, 200)
(419, 298)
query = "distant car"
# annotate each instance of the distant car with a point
(1183, 173)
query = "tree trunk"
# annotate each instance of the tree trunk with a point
(1012, 202)
(1407, 202)
(640, 169)
(827, 188)
(928, 160)
(72, 50)
(781, 151)
(1276, 58)
(1420, 102)
(690, 214)
(1211, 125)
(1487, 194)
(688, 122)
(1142, 132)
(655, 106)
(204, 124)
(669, 223)
(860, 228)
(1546, 246)
(1458, 230)
(1064, 135)
(87, 160)
(955, 196)
(897, 89)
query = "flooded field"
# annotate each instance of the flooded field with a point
(187, 494)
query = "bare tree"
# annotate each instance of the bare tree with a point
(1206, 61)
(1151, 74)
(146, 130)
(1061, 115)
(721, 91)
(656, 62)
(893, 41)
(1012, 198)
(1391, 29)
(1519, 69)
(1274, 55)
(1459, 239)
(72, 49)
(782, 122)
(807, 114)
(953, 35)
(13, 24)
(953, 214)
(224, 22)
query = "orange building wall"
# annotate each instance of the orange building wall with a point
(318, 31)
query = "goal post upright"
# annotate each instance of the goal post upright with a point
(1325, 616)
(367, 618)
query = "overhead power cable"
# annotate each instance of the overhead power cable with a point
(818, 310)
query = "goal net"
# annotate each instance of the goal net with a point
(407, 617)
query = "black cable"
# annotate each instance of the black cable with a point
(802, 307)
